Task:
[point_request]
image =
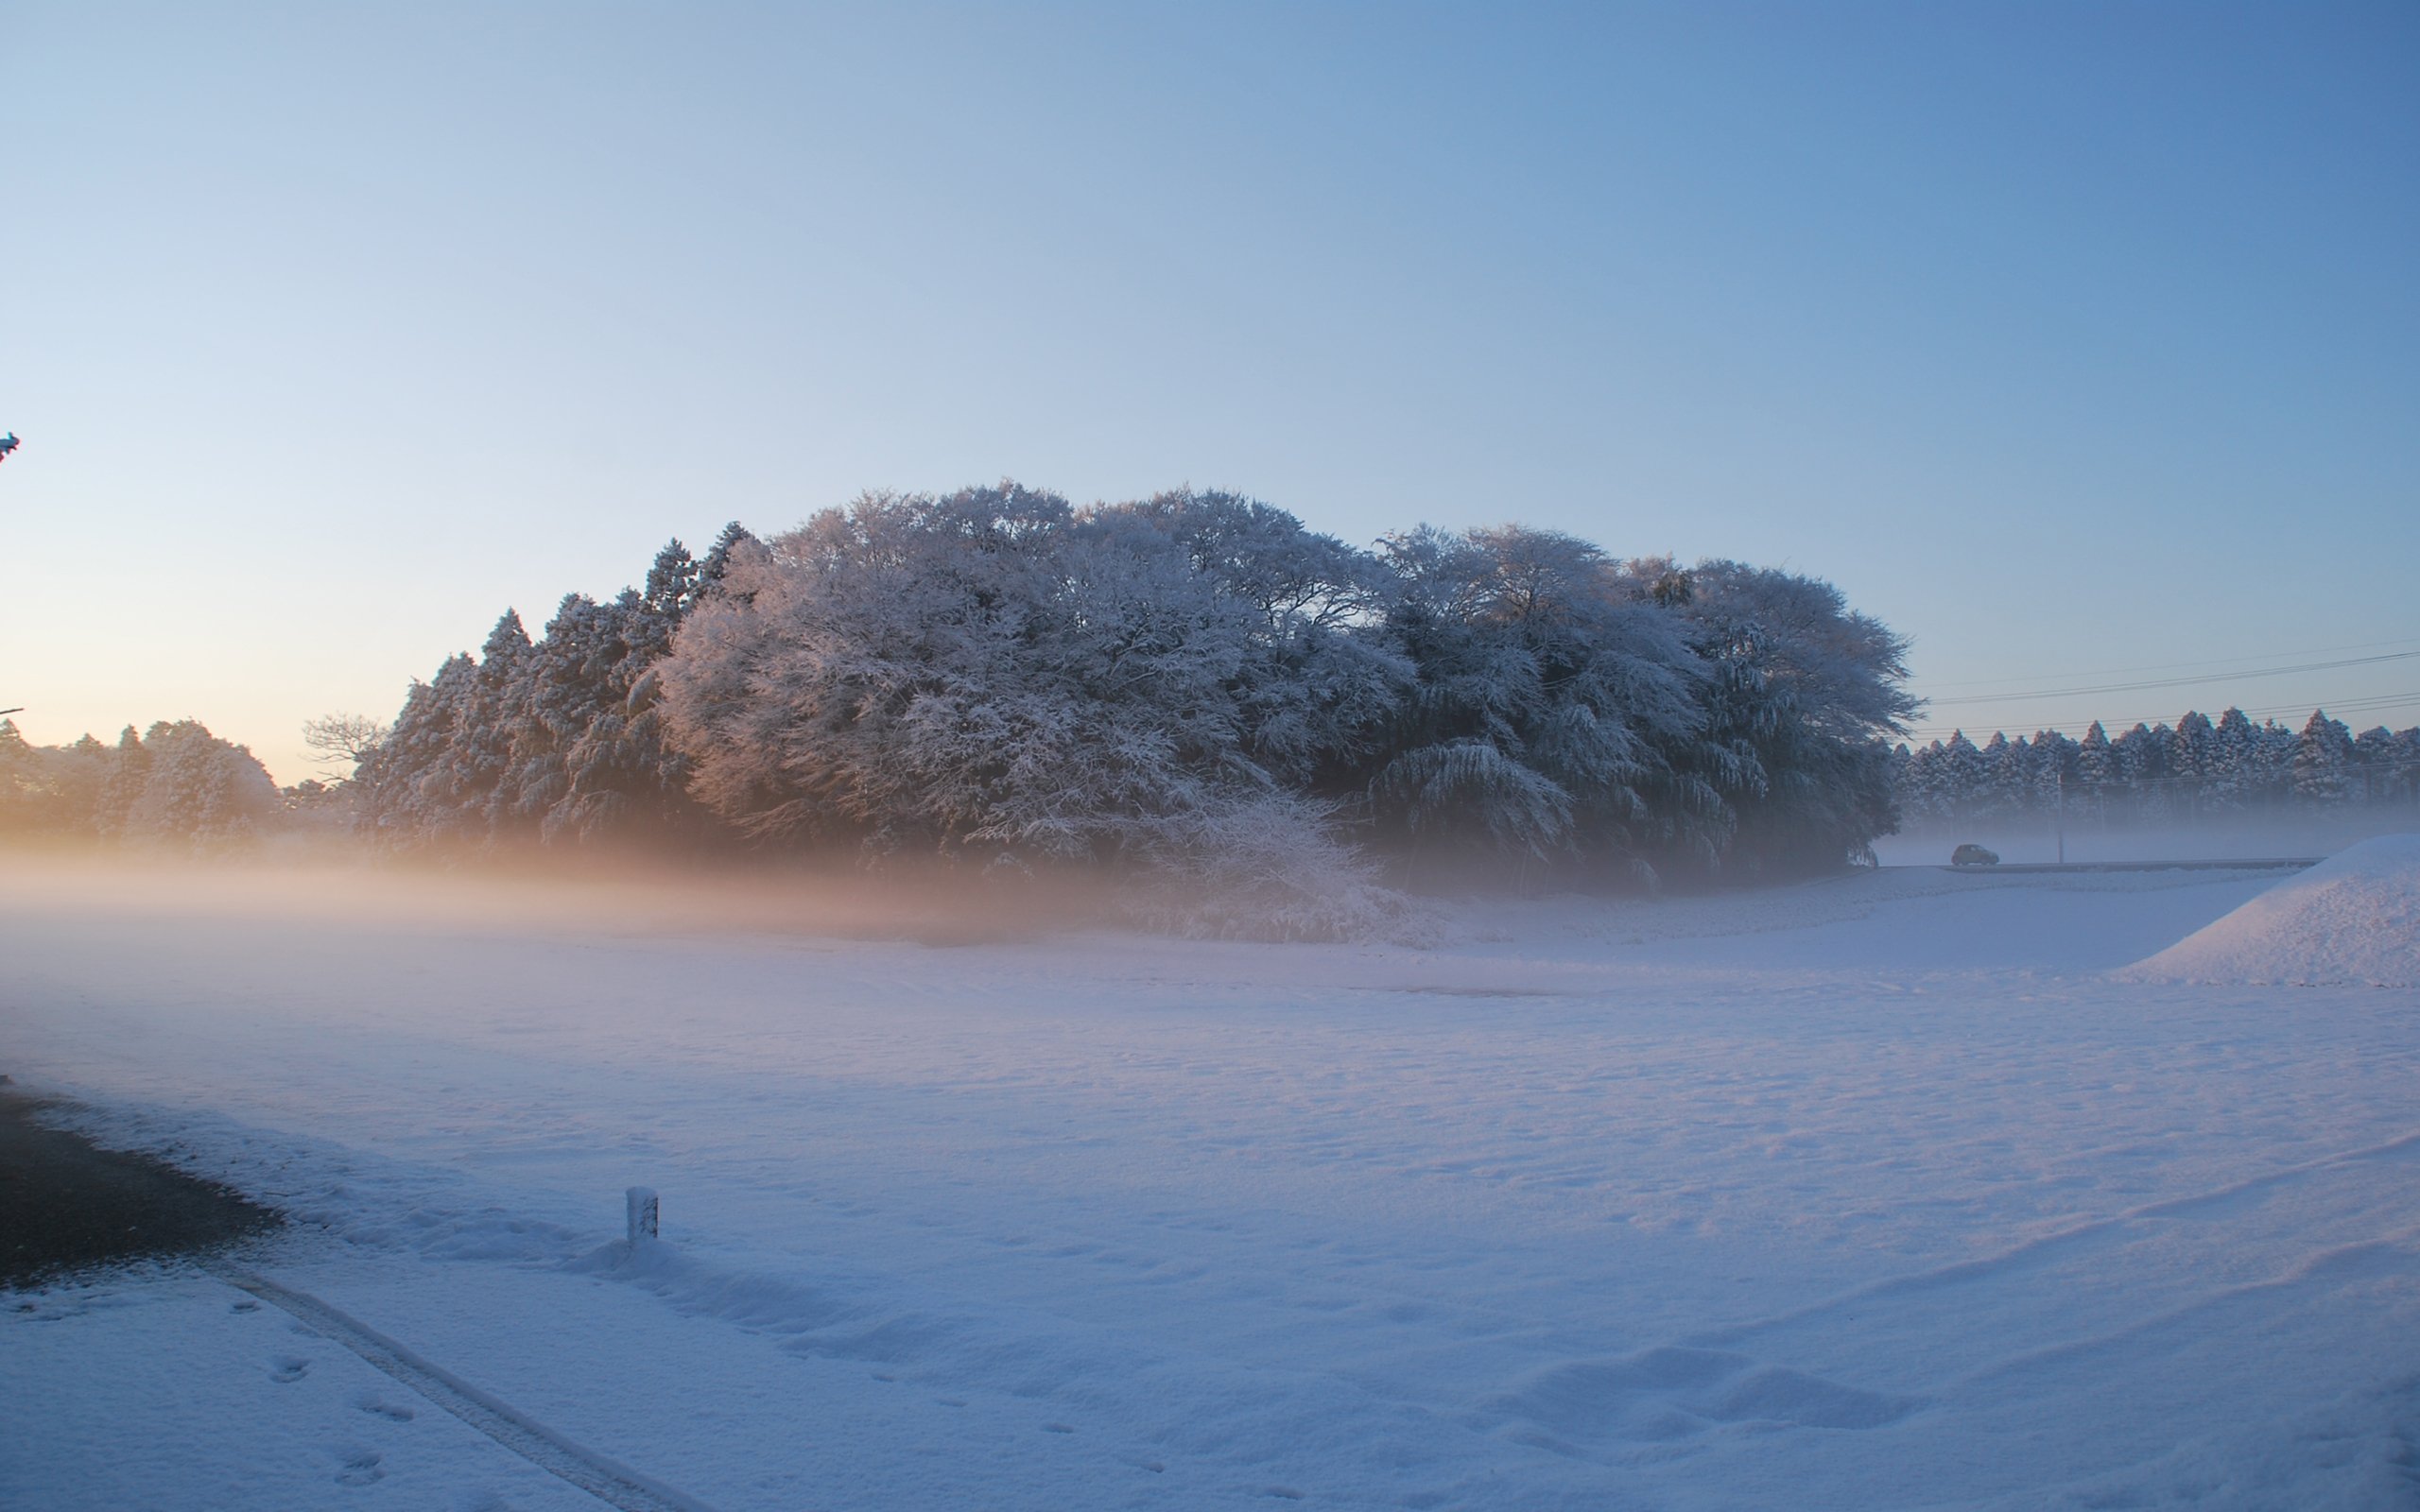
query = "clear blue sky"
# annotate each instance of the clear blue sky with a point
(2066, 338)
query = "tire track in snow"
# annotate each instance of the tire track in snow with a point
(615, 1484)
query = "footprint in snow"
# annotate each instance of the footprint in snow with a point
(1670, 1393)
(377, 1406)
(288, 1367)
(360, 1468)
(244, 1305)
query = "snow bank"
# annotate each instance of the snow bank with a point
(2354, 917)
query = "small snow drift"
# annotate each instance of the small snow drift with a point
(2355, 918)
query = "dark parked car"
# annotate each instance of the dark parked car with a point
(1974, 856)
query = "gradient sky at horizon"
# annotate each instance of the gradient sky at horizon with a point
(2070, 340)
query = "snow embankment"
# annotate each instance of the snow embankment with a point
(2352, 919)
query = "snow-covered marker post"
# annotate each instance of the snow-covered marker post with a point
(642, 1215)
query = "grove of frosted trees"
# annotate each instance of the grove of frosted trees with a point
(1192, 684)
(175, 785)
(2197, 769)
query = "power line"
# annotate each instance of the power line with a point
(2245, 673)
(2336, 710)
(2170, 666)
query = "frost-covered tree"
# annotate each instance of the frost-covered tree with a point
(2054, 770)
(2096, 770)
(592, 757)
(176, 785)
(412, 797)
(987, 672)
(200, 791)
(2322, 762)
(1317, 684)
(2001, 796)
(26, 789)
(556, 739)
(1804, 698)
(2192, 757)
(2388, 765)
(128, 770)
(2231, 770)
(1547, 706)
(1962, 772)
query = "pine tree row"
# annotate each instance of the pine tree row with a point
(2195, 769)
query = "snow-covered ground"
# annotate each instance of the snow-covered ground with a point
(1883, 1192)
(2355, 918)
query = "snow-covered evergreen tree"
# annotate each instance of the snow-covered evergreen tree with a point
(2192, 755)
(557, 739)
(2322, 762)
(25, 788)
(2002, 796)
(2096, 771)
(129, 771)
(2231, 780)
(2054, 771)
(409, 779)
(200, 791)
(2388, 773)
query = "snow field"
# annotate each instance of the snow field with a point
(1878, 1193)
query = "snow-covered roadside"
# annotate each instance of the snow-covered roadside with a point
(1904, 1204)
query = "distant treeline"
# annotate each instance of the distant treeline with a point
(2196, 769)
(176, 785)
